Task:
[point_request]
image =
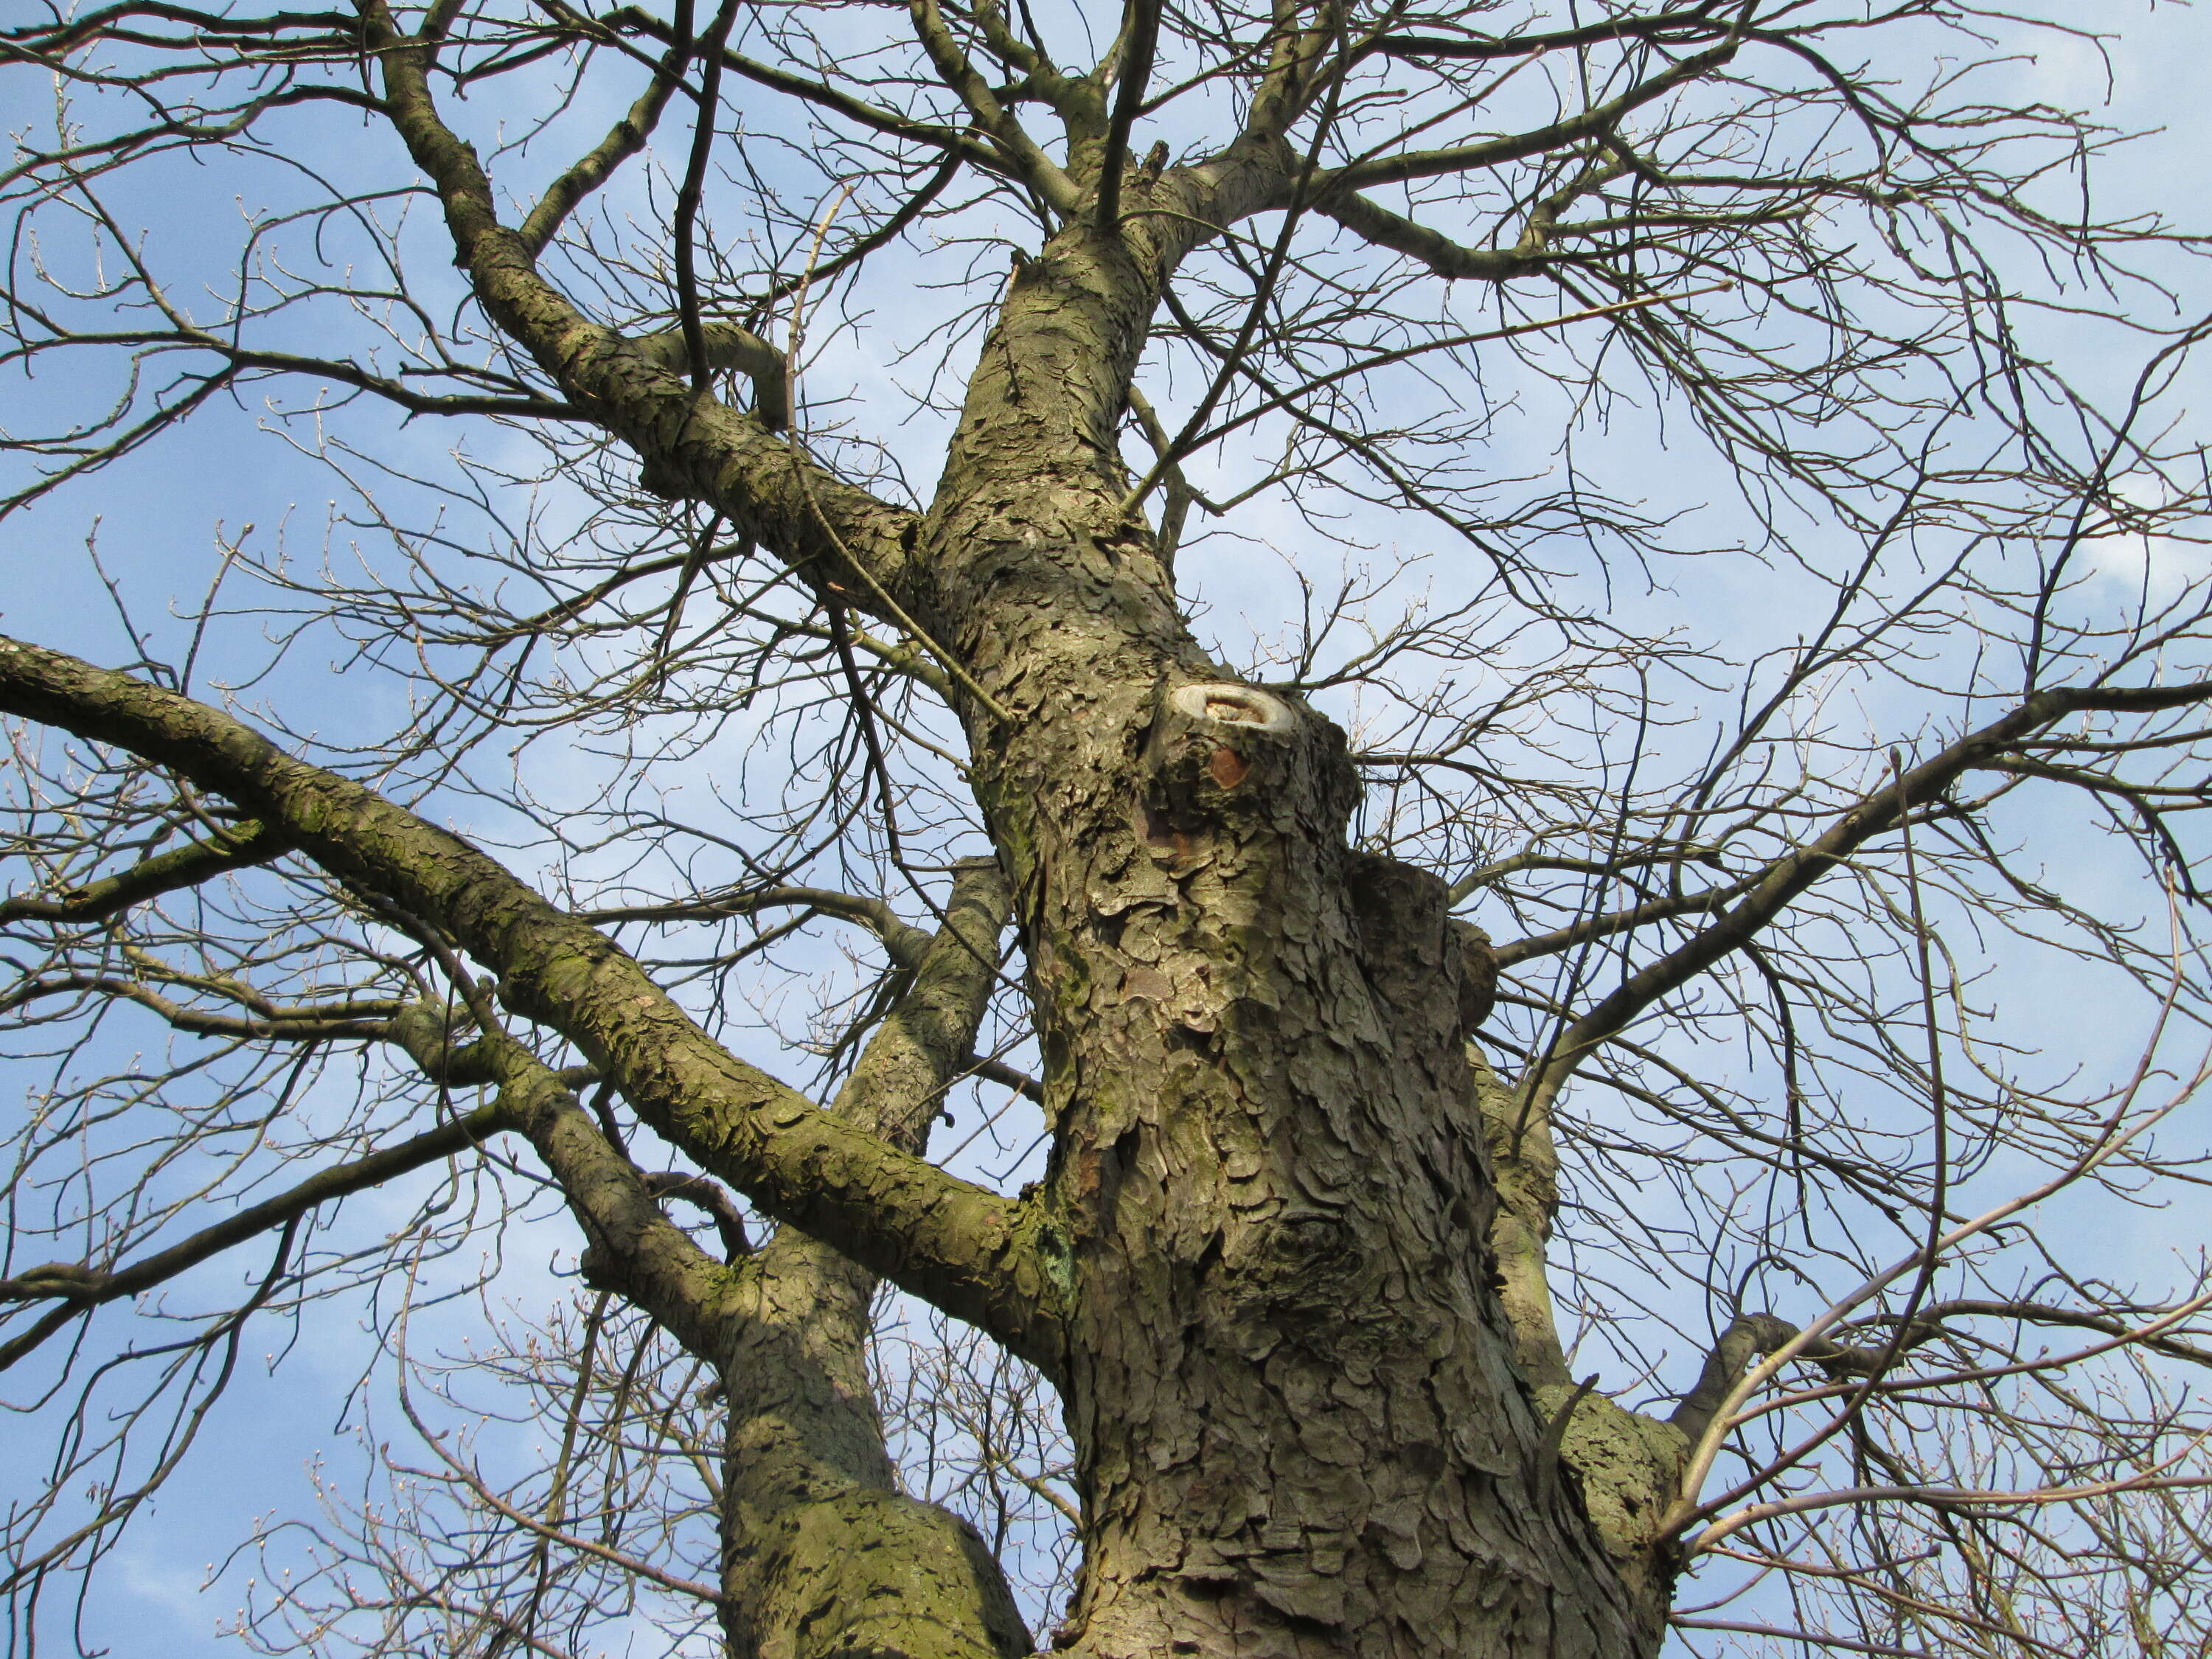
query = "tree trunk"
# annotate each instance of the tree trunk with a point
(1291, 1387)
(1299, 1424)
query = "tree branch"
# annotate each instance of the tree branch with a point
(83, 1287)
(1016, 148)
(804, 1432)
(232, 846)
(694, 447)
(952, 140)
(355, 1021)
(1451, 260)
(1787, 876)
(1525, 1161)
(623, 140)
(1693, 21)
(1748, 1336)
(1136, 68)
(704, 1194)
(958, 1246)
(902, 941)
(1598, 120)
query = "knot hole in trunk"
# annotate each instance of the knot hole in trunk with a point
(1217, 751)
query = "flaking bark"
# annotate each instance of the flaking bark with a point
(1298, 1423)
(1260, 1265)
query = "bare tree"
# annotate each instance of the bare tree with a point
(1589, 1070)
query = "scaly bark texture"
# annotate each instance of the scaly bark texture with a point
(1286, 1264)
(1290, 1380)
(1260, 1266)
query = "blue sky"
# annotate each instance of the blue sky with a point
(161, 522)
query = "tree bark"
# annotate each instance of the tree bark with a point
(1260, 1265)
(822, 1554)
(1299, 1424)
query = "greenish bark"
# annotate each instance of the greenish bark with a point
(822, 1554)
(959, 1246)
(1287, 1262)
(1299, 1424)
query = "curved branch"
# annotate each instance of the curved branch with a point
(1593, 122)
(693, 446)
(1695, 21)
(235, 847)
(1747, 1336)
(1782, 881)
(959, 1245)
(1018, 150)
(730, 348)
(902, 941)
(702, 1193)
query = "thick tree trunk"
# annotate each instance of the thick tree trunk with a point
(1300, 1427)
(1299, 1424)
(1290, 1382)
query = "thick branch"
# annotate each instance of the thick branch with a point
(1136, 67)
(964, 1249)
(1036, 169)
(819, 1521)
(896, 1090)
(1746, 1337)
(633, 1245)
(623, 140)
(1451, 260)
(693, 446)
(1526, 1162)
